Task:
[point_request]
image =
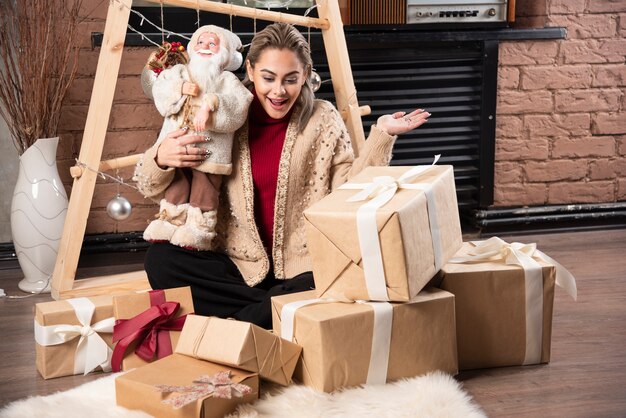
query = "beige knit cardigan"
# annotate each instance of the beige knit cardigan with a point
(312, 164)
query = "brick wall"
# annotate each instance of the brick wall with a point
(561, 132)
(561, 117)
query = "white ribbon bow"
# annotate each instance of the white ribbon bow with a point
(525, 256)
(381, 190)
(381, 337)
(92, 351)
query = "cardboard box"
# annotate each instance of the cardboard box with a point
(129, 306)
(58, 360)
(491, 311)
(336, 338)
(239, 344)
(404, 231)
(137, 388)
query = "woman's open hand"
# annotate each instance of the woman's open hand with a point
(400, 123)
(178, 150)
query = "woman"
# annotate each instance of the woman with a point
(292, 152)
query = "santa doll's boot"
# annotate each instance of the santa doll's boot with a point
(198, 231)
(169, 219)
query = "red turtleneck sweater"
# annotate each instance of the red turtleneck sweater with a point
(266, 137)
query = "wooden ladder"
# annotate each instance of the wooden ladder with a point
(64, 284)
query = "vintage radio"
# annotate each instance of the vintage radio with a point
(428, 12)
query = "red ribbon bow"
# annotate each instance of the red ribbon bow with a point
(151, 329)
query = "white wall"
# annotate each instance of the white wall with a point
(9, 165)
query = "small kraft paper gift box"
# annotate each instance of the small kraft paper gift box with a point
(239, 344)
(73, 336)
(504, 298)
(347, 344)
(178, 386)
(384, 235)
(148, 325)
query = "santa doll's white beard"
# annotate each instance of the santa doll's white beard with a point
(205, 70)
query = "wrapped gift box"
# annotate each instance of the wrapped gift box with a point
(418, 231)
(138, 389)
(60, 348)
(494, 319)
(337, 338)
(239, 344)
(129, 307)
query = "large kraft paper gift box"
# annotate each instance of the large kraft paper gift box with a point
(504, 300)
(73, 336)
(405, 241)
(342, 347)
(239, 344)
(148, 325)
(140, 388)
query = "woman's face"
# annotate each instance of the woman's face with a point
(278, 76)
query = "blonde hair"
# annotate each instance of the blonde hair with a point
(285, 36)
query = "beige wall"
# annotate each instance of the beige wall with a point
(561, 118)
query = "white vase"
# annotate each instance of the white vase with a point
(38, 212)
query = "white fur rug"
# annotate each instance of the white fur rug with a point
(433, 395)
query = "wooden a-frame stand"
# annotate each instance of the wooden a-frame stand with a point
(64, 284)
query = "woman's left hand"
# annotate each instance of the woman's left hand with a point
(400, 123)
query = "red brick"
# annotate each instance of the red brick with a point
(507, 172)
(87, 62)
(522, 149)
(530, 8)
(609, 123)
(621, 145)
(508, 126)
(514, 102)
(582, 52)
(80, 91)
(622, 25)
(135, 116)
(607, 169)
(133, 60)
(609, 75)
(581, 192)
(621, 189)
(591, 146)
(564, 7)
(129, 142)
(568, 124)
(606, 6)
(523, 53)
(73, 117)
(586, 26)
(99, 222)
(508, 78)
(555, 77)
(105, 192)
(555, 170)
(94, 9)
(589, 100)
(128, 90)
(85, 29)
(613, 50)
(520, 194)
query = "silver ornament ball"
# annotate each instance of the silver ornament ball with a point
(316, 81)
(119, 208)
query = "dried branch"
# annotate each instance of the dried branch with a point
(38, 63)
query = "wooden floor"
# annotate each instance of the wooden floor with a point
(586, 377)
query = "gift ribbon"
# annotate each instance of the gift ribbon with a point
(381, 337)
(525, 256)
(92, 351)
(151, 329)
(381, 190)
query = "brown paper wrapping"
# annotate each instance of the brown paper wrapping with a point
(58, 360)
(491, 311)
(136, 389)
(404, 233)
(239, 344)
(336, 339)
(128, 306)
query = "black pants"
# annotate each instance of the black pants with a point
(217, 287)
